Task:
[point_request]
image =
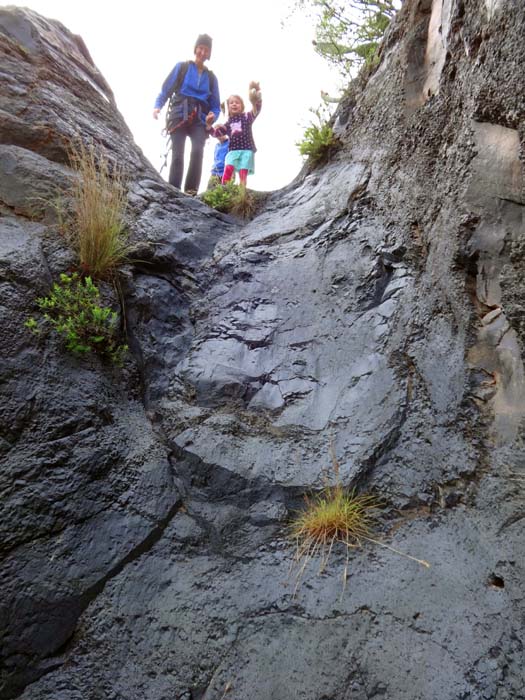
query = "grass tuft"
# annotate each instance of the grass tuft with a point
(244, 204)
(336, 515)
(332, 516)
(95, 223)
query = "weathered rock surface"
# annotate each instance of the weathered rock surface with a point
(375, 306)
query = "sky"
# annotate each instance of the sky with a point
(135, 46)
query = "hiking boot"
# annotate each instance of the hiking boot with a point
(191, 193)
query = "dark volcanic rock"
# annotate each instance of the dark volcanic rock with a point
(373, 309)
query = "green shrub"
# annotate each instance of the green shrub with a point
(73, 311)
(95, 221)
(318, 138)
(222, 197)
(231, 199)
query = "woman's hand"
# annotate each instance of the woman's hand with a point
(210, 118)
(156, 113)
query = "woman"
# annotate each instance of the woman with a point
(194, 94)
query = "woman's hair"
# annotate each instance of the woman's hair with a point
(238, 97)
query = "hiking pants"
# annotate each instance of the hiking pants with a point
(197, 134)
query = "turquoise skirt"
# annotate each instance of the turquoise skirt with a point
(241, 160)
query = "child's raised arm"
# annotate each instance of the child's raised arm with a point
(255, 97)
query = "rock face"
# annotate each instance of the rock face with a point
(373, 309)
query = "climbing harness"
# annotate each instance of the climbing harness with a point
(186, 109)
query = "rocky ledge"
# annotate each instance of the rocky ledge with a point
(372, 310)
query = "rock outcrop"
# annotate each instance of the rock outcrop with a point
(374, 308)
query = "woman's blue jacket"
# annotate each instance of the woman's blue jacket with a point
(194, 86)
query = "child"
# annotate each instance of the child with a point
(221, 149)
(217, 169)
(238, 128)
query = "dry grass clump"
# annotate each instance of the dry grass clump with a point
(332, 516)
(336, 515)
(95, 222)
(244, 204)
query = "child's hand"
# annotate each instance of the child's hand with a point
(255, 92)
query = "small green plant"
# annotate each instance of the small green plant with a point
(72, 309)
(94, 222)
(318, 138)
(231, 199)
(221, 197)
(335, 515)
(32, 324)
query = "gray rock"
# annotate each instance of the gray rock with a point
(29, 184)
(370, 315)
